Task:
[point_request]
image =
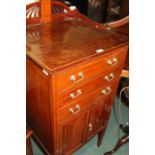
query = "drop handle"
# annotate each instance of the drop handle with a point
(109, 77)
(80, 76)
(112, 62)
(106, 91)
(90, 127)
(74, 95)
(75, 110)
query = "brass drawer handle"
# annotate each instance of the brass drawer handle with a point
(106, 91)
(112, 62)
(74, 95)
(109, 77)
(77, 109)
(73, 78)
(90, 127)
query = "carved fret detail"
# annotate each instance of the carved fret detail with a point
(33, 12)
(58, 9)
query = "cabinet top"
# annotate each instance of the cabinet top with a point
(65, 42)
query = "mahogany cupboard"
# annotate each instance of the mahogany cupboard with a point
(73, 70)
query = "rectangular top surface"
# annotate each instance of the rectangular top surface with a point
(61, 43)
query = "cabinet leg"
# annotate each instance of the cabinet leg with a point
(100, 137)
(121, 141)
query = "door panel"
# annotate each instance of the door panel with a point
(73, 133)
(99, 116)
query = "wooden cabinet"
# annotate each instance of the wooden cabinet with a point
(73, 70)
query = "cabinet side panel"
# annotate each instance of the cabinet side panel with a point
(37, 103)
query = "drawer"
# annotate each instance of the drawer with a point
(83, 72)
(73, 94)
(72, 110)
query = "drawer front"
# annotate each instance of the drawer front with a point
(72, 110)
(80, 74)
(76, 93)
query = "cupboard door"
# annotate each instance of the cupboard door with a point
(73, 133)
(99, 116)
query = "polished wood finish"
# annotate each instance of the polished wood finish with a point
(73, 132)
(90, 100)
(99, 111)
(87, 88)
(118, 23)
(64, 32)
(36, 94)
(45, 10)
(64, 119)
(90, 70)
